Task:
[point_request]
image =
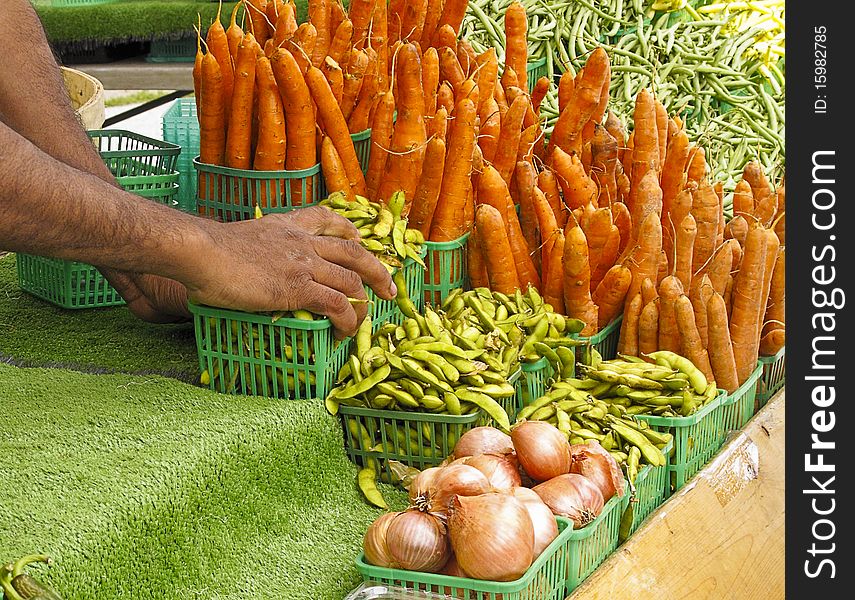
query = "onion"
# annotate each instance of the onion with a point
(453, 569)
(594, 462)
(421, 485)
(411, 540)
(448, 482)
(542, 519)
(541, 449)
(573, 496)
(483, 440)
(499, 471)
(492, 536)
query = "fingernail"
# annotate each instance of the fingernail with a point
(394, 289)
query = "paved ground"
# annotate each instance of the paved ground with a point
(148, 123)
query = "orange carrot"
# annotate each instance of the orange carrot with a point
(488, 137)
(648, 328)
(467, 89)
(760, 186)
(686, 233)
(286, 24)
(430, 80)
(721, 354)
(319, 16)
(335, 78)
(597, 228)
(743, 199)
(271, 146)
(772, 342)
(566, 88)
(448, 219)
(445, 97)
(234, 34)
(381, 141)
(338, 14)
(648, 200)
(649, 291)
(645, 148)
(604, 165)
(629, 327)
(577, 281)
(256, 14)
(700, 294)
(487, 74)
(608, 256)
(541, 88)
(706, 211)
(509, 138)
(413, 20)
(302, 45)
(450, 69)
(496, 249)
(341, 41)
(212, 120)
(775, 314)
(516, 43)
(452, 15)
(672, 179)
(360, 12)
(427, 191)
(610, 295)
(445, 37)
(623, 221)
(662, 122)
(431, 20)
(681, 206)
(669, 335)
(526, 269)
(369, 93)
(333, 170)
(525, 178)
(466, 56)
(509, 79)
(218, 45)
(353, 78)
(772, 247)
(747, 310)
(547, 230)
(615, 127)
(696, 169)
(476, 268)
(501, 100)
(578, 188)
(395, 18)
(690, 340)
(645, 256)
(525, 149)
(238, 137)
(737, 229)
(548, 183)
(197, 68)
(553, 286)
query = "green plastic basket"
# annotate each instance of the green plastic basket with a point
(696, 439)
(590, 546)
(65, 283)
(774, 375)
(535, 71)
(180, 126)
(130, 155)
(532, 384)
(362, 145)
(544, 580)
(649, 494)
(738, 408)
(605, 341)
(446, 269)
(168, 51)
(65, 3)
(387, 311)
(231, 194)
(252, 354)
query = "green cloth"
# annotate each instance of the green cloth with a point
(145, 487)
(34, 332)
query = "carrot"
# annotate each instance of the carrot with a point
(525, 180)
(301, 152)
(662, 122)
(271, 146)
(369, 94)
(341, 41)
(337, 14)
(286, 25)
(541, 88)
(721, 353)
(597, 118)
(760, 186)
(766, 209)
(335, 78)
(672, 179)
(615, 127)
(629, 327)
(516, 44)
(686, 233)
(496, 249)
(597, 227)
(319, 17)
(772, 342)
(395, 19)
(645, 148)
(234, 34)
(644, 258)
(450, 69)
(433, 11)
(649, 291)
(607, 257)
(547, 228)
(197, 67)
(511, 94)
(577, 281)
(379, 42)
(256, 13)
(452, 15)
(302, 45)
(696, 169)
(467, 57)
(775, 314)
(743, 199)
(681, 206)
(566, 88)
(360, 12)
(526, 269)
(430, 80)
(648, 328)
(772, 247)
(586, 97)
(413, 20)
(476, 268)
(218, 45)
(501, 100)
(381, 141)
(719, 266)
(353, 78)
(548, 184)
(448, 217)
(553, 284)
(488, 137)
(487, 74)
(509, 79)
(333, 170)
(578, 188)
(728, 296)
(699, 294)
(212, 119)
(690, 340)
(623, 221)
(610, 294)
(477, 165)
(272, 9)
(528, 138)
(706, 211)
(509, 138)
(238, 136)
(467, 89)
(747, 310)
(427, 191)
(648, 200)
(445, 37)
(604, 165)
(662, 267)
(445, 97)
(669, 335)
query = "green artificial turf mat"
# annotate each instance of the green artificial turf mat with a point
(34, 332)
(144, 487)
(132, 20)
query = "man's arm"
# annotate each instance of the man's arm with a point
(48, 207)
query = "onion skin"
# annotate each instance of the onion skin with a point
(573, 496)
(423, 482)
(541, 449)
(542, 520)
(483, 440)
(451, 481)
(501, 473)
(492, 536)
(417, 541)
(594, 462)
(374, 542)
(453, 569)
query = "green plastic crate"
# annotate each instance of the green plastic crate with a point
(605, 341)
(65, 283)
(696, 439)
(362, 145)
(387, 311)
(228, 194)
(590, 546)
(180, 126)
(649, 493)
(445, 268)
(168, 51)
(65, 3)
(738, 408)
(535, 71)
(245, 353)
(544, 580)
(774, 375)
(129, 154)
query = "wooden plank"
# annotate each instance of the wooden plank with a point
(721, 536)
(136, 74)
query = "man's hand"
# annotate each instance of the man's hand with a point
(150, 297)
(309, 258)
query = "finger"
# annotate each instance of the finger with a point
(351, 255)
(319, 220)
(323, 300)
(345, 281)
